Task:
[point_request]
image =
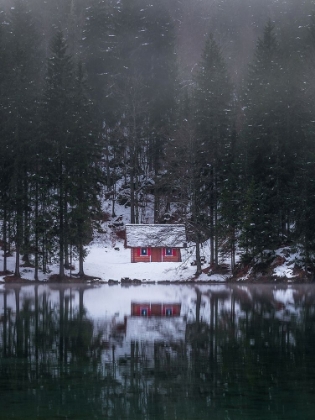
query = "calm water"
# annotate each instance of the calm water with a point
(233, 353)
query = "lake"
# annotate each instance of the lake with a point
(112, 352)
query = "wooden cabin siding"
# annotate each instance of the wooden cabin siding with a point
(138, 308)
(175, 257)
(137, 257)
(174, 307)
(155, 255)
(155, 309)
(172, 259)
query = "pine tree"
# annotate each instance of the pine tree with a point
(302, 183)
(162, 81)
(98, 54)
(84, 172)
(6, 155)
(181, 184)
(212, 106)
(57, 118)
(274, 135)
(144, 87)
(22, 93)
(230, 199)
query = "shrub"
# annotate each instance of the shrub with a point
(105, 217)
(121, 234)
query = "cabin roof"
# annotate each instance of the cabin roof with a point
(156, 329)
(156, 236)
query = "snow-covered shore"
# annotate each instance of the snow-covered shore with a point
(108, 260)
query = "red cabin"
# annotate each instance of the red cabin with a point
(155, 243)
(147, 309)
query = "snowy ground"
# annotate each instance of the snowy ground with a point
(108, 259)
(112, 262)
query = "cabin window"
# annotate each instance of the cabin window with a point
(144, 251)
(168, 251)
(144, 311)
(168, 311)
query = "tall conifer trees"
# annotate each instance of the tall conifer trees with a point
(247, 153)
(57, 126)
(22, 70)
(84, 172)
(273, 141)
(212, 101)
(73, 151)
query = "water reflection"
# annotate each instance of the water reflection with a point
(157, 352)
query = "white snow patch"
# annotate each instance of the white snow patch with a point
(284, 296)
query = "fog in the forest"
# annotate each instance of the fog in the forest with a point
(198, 112)
(236, 24)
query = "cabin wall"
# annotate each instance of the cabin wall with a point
(155, 255)
(155, 309)
(135, 257)
(176, 257)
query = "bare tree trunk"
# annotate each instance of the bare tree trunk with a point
(215, 199)
(114, 195)
(132, 196)
(216, 239)
(18, 242)
(66, 232)
(5, 322)
(136, 201)
(36, 332)
(36, 233)
(5, 238)
(19, 326)
(198, 262)
(156, 206)
(81, 261)
(61, 324)
(233, 254)
(61, 226)
(107, 164)
(198, 305)
(9, 235)
(26, 233)
(212, 258)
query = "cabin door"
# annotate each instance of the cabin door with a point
(156, 254)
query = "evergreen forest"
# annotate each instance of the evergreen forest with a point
(195, 111)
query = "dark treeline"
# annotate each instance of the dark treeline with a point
(103, 99)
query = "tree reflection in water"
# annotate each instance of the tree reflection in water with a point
(242, 354)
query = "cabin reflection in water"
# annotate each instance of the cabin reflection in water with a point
(155, 309)
(153, 321)
(149, 335)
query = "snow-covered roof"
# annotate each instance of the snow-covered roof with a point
(156, 328)
(150, 235)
